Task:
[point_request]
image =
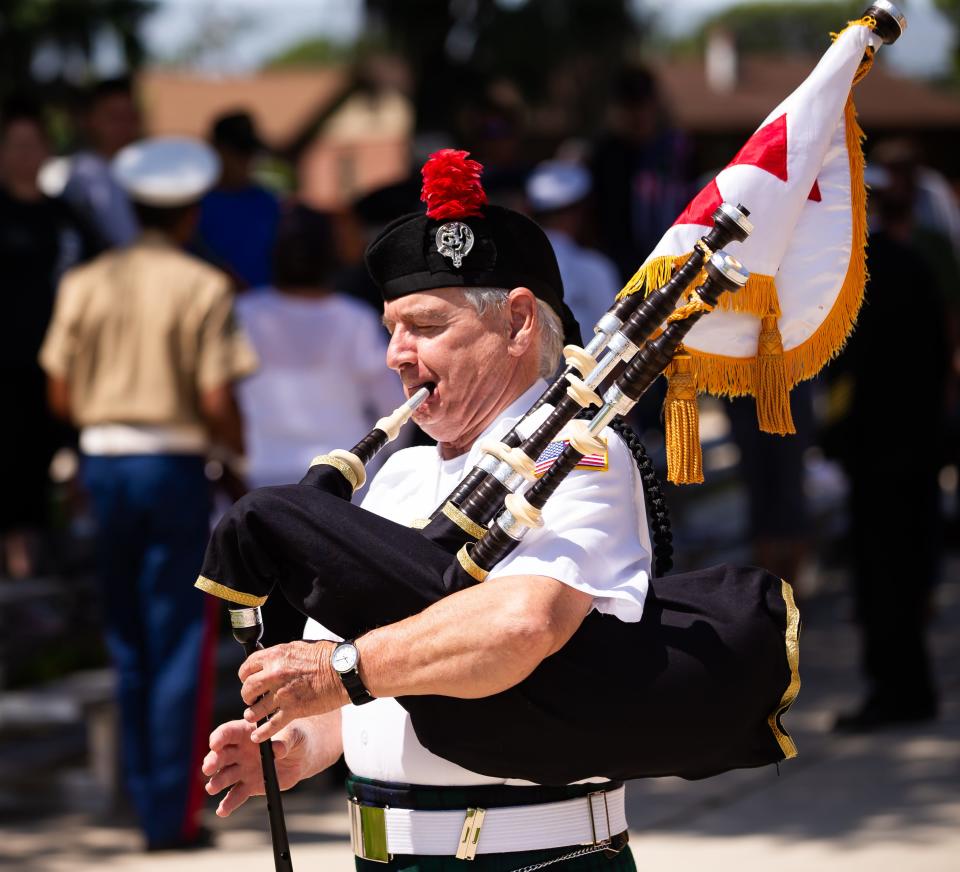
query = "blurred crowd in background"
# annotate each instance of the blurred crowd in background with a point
(881, 427)
(304, 298)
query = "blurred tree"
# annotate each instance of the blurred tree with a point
(951, 10)
(318, 51)
(778, 27)
(457, 47)
(212, 42)
(61, 36)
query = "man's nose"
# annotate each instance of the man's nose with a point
(402, 350)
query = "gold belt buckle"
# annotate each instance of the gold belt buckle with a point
(368, 832)
(470, 834)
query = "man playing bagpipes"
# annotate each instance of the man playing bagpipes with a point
(509, 661)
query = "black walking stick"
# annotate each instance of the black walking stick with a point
(247, 625)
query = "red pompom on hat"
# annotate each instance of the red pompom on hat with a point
(451, 186)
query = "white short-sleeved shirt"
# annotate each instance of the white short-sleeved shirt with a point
(590, 279)
(321, 380)
(594, 538)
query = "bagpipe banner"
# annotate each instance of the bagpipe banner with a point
(801, 176)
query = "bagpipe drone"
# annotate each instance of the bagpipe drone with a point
(699, 685)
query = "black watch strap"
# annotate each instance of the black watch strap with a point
(359, 695)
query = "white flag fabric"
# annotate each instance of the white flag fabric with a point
(801, 177)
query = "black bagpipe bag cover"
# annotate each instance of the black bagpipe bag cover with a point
(695, 688)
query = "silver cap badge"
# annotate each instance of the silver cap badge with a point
(454, 240)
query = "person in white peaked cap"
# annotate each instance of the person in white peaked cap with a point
(557, 193)
(141, 356)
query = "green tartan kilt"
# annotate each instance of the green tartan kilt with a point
(599, 862)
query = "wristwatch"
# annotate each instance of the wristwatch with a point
(345, 661)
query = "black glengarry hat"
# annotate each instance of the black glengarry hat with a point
(460, 241)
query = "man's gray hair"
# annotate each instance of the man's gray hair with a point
(550, 326)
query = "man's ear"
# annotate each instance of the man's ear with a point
(522, 315)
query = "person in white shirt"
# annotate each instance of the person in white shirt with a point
(486, 342)
(321, 380)
(557, 193)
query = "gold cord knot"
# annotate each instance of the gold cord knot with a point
(867, 21)
(681, 385)
(770, 342)
(694, 306)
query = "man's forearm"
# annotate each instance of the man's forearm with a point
(474, 643)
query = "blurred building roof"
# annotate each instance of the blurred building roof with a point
(884, 101)
(282, 103)
(347, 134)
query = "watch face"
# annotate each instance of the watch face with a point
(345, 657)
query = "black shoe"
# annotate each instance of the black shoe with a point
(875, 715)
(202, 838)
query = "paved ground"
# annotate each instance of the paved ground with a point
(889, 801)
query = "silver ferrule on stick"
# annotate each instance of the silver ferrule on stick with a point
(246, 617)
(736, 214)
(891, 21)
(602, 331)
(619, 349)
(604, 416)
(615, 402)
(511, 526)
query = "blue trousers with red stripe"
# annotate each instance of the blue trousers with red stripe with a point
(152, 514)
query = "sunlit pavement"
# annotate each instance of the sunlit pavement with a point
(886, 801)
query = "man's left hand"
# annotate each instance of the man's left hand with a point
(289, 681)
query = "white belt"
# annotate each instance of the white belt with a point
(380, 833)
(117, 439)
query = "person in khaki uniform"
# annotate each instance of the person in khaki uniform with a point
(141, 355)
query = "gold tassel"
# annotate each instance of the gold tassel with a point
(682, 423)
(772, 390)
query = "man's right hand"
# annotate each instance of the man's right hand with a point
(300, 749)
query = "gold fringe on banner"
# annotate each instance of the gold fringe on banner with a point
(771, 388)
(757, 297)
(722, 376)
(738, 376)
(807, 359)
(652, 275)
(735, 376)
(682, 423)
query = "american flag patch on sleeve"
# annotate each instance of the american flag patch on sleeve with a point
(597, 462)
